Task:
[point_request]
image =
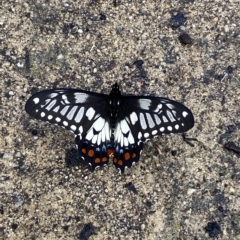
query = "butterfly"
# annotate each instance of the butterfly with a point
(113, 126)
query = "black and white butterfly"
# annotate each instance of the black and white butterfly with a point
(110, 126)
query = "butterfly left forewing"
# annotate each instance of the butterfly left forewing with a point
(73, 109)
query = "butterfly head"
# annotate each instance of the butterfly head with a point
(115, 88)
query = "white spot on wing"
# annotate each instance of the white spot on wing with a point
(146, 135)
(184, 113)
(121, 140)
(103, 135)
(151, 123)
(143, 121)
(90, 113)
(58, 119)
(64, 110)
(162, 129)
(159, 107)
(99, 137)
(108, 131)
(170, 106)
(73, 127)
(56, 109)
(133, 117)
(169, 128)
(96, 116)
(65, 99)
(125, 140)
(51, 105)
(154, 132)
(65, 123)
(164, 119)
(80, 97)
(36, 100)
(90, 134)
(130, 138)
(79, 115)
(71, 113)
(94, 139)
(176, 126)
(170, 116)
(80, 129)
(53, 95)
(124, 126)
(98, 124)
(50, 117)
(157, 119)
(46, 102)
(139, 135)
(127, 119)
(42, 114)
(174, 113)
(125, 129)
(144, 103)
(117, 132)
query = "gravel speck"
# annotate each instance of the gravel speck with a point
(190, 191)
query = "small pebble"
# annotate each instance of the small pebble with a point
(185, 39)
(190, 191)
(6, 156)
(177, 20)
(60, 56)
(231, 190)
(20, 64)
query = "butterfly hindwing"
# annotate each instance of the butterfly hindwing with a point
(125, 156)
(94, 154)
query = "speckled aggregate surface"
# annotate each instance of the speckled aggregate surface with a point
(175, 190)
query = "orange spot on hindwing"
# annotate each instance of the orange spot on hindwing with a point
(110, 152)
(134, 155)
(84, 150)
(91, 153)
(127, 156)
(104, 159)
(120, 162)
(97, 160)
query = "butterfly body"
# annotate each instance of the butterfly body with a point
(114, 105)
(110, 126)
